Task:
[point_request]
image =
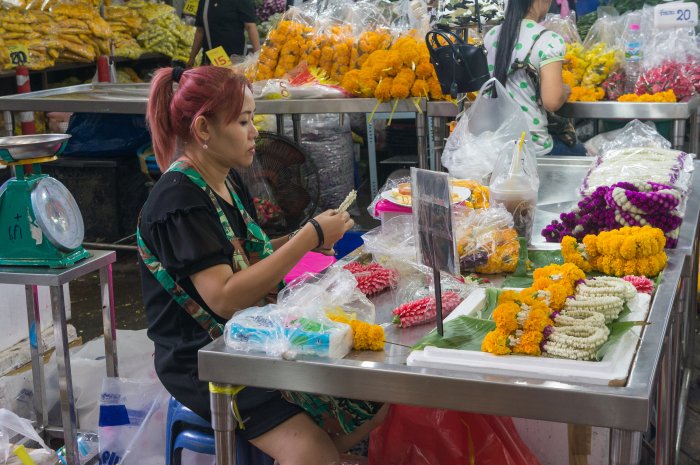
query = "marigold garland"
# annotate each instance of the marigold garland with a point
(586, 94)
(668, 96)
(632, 250)
(365, 336)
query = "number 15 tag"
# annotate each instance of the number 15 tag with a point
(191, 7)
(218, 57)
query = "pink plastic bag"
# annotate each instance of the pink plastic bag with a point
(312, 262)
(424, 436)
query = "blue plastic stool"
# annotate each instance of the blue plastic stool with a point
(350, 241)
(187, 430)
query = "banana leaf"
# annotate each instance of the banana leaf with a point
(491, 302)
(517, 281)
(617, 331)
(464, 333)
(521, 267)
(541, 258)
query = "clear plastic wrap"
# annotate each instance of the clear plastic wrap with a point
(603, 50)
(394, 189)
(327, 138)
(336, 287)
(393, 239)
(15, 430)
(257, 329)
(640, 164)
(565, 27)
(270, 215)
(488, 128)
(486, 241)
(634, 134)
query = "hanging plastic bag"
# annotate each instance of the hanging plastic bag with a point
(270, 215)
(132, 421)
(15, 430)
(487, 129)
(423, 436)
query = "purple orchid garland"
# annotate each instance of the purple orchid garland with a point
(622, 204)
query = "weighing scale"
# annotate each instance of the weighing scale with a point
(40, 222)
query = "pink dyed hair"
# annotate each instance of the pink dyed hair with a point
(208, 91)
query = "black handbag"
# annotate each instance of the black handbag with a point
(459, 66)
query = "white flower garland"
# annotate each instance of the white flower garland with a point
(610, 306)
(606, 286)
(580, 318)
(576, 342)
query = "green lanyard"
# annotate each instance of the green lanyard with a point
(256, 244)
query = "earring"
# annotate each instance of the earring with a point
(205, 146)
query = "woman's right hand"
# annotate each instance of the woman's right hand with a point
(334, 225)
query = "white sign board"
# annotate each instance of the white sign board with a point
(676, 14)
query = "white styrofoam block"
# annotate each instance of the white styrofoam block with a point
(549, 441)
(13, 312)
(612, 368)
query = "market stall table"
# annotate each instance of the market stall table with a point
(653, 380)
(132, 99)
(55, 278)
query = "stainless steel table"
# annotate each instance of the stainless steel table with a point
(679, 113)
(132, 99)
(655, 380)
(55, 278)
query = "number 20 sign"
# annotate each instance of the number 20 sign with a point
(676, 14)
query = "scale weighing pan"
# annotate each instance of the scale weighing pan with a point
(18, 148)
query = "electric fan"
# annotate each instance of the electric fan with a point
(284, 183)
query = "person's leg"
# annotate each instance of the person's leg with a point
(346, 441)
(298, 441)
(561, 148)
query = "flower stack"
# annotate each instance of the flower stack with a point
(622, 204)
(333, 51)
(586, 70)
(372, 278)
(670, 75)
(283, 49)
(422, 311)
(668, 96)
(635, 251)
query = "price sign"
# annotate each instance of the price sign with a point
(676, 14)
(218, 57)
(19, 55)
(191, 7)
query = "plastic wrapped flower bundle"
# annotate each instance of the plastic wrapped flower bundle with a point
(622, 204)
(283, 48)
(667, 96)
(486, 240)
(614, 85)
(365, 336)
(575, 64)
(333, 51)
(602, 60)
(635, 251)
(371, 41)
(372, 278)
(423, 311)
(670, 75)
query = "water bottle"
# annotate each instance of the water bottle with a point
(633, 57)
(88, 447)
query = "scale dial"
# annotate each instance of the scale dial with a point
(57, 214)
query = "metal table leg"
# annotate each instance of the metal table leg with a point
(421, 124)
(625, 447)
(694, 145)
(222, 422)
(280, 124)
(372, 153)
(65, 382)
(663, 409)
(678, 134)
(296, 125)
(108, 321)
(36, 348)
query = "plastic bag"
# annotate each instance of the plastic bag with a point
(270, 215)
(564, 26)
(257, 329)
(487, 129)
(603, 50)
(334, 288)
(634, 134)
(417, 283)
(132, 421)
(393, 239)
(15, 430)
(423, 436)
(486, 241)
(646, 164)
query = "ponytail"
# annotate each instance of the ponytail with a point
(508, 36)
(205, 91)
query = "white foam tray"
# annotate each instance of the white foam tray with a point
(612, 370)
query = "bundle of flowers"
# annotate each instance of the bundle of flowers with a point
(283, 49)
(486, 240)
(635, 251)
(614, 85)
(365, 336)
(586, 94)
(333, 51)
(575, 64)
(372, 278)
(670, 75)
(422, 311)
(667, 96)
(691, 69)
(402, 71)
(622, 204)
(563, 315)
(646, 164)
(589, 67)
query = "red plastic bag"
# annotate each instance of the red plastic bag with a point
(424, 436)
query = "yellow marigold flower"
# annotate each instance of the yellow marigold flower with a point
(420, 88)
(424, 70)
(435, 89)
(496, 342)
(383, 90)
(508, 296)
(505, 317)
(529, 343)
